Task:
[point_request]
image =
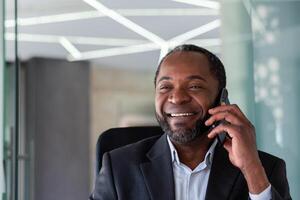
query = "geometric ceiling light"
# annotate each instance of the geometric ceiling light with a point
(72, 16)
(195, 32)
(70, 47)
(124, 46)
(79, 40)
(189, 35)
(138, 49)
(126, 22)
(115, 51)
(160, 43)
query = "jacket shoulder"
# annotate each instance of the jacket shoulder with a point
(135, 151)
(268, 159)
(271, 162)
(275, 169)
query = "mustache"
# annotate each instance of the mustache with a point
(199, 125)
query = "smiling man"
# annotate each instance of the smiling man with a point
(185, 90)
(187, 163)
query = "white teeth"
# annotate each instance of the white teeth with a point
(181, 114)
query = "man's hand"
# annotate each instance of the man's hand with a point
(242, 145)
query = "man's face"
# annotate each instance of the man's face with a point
(185, 90)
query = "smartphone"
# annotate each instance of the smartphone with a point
(223, 99)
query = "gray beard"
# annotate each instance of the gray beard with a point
(183, 135)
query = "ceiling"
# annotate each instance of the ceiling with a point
(111, 33)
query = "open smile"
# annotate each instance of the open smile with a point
(182, 114)
(181, 119)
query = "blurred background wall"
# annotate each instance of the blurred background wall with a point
(57, 123)
(79, 67)
(119, 98)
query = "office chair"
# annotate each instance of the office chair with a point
(118, 137)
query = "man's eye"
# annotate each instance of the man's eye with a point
(164, 88)
(195, 87)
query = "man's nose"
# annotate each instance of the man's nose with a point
(179, 96)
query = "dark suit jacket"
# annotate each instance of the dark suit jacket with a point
(143, 171)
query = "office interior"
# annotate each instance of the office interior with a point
(71, 69)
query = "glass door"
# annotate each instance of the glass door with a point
(11, 169)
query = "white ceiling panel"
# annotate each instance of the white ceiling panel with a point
(134, 31)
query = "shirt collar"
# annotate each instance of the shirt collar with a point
(208, 156)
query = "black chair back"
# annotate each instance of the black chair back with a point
(117, 137)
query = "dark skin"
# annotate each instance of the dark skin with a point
(186, 87)
(182, 89)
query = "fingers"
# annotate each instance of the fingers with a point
(233, 121)
(227, 145)
(230, 113)
(232, 108)
(228, 116)
(241, 147)
(232, 130)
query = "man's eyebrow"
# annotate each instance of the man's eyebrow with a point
(164, 78)
(196, 77)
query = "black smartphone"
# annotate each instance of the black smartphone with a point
(223, 99)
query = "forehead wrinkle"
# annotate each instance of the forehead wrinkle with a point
(196, 77)
(192, 77)
(164, 78)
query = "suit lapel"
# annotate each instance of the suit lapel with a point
(222, 177)
(158, 172)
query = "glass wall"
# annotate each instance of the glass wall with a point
(2, 177)
(10, 156)
(260, 50)
(86, 66)
(276, 66)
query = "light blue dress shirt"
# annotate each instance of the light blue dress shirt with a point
(192, 184)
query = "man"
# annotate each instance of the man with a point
(187, 163)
